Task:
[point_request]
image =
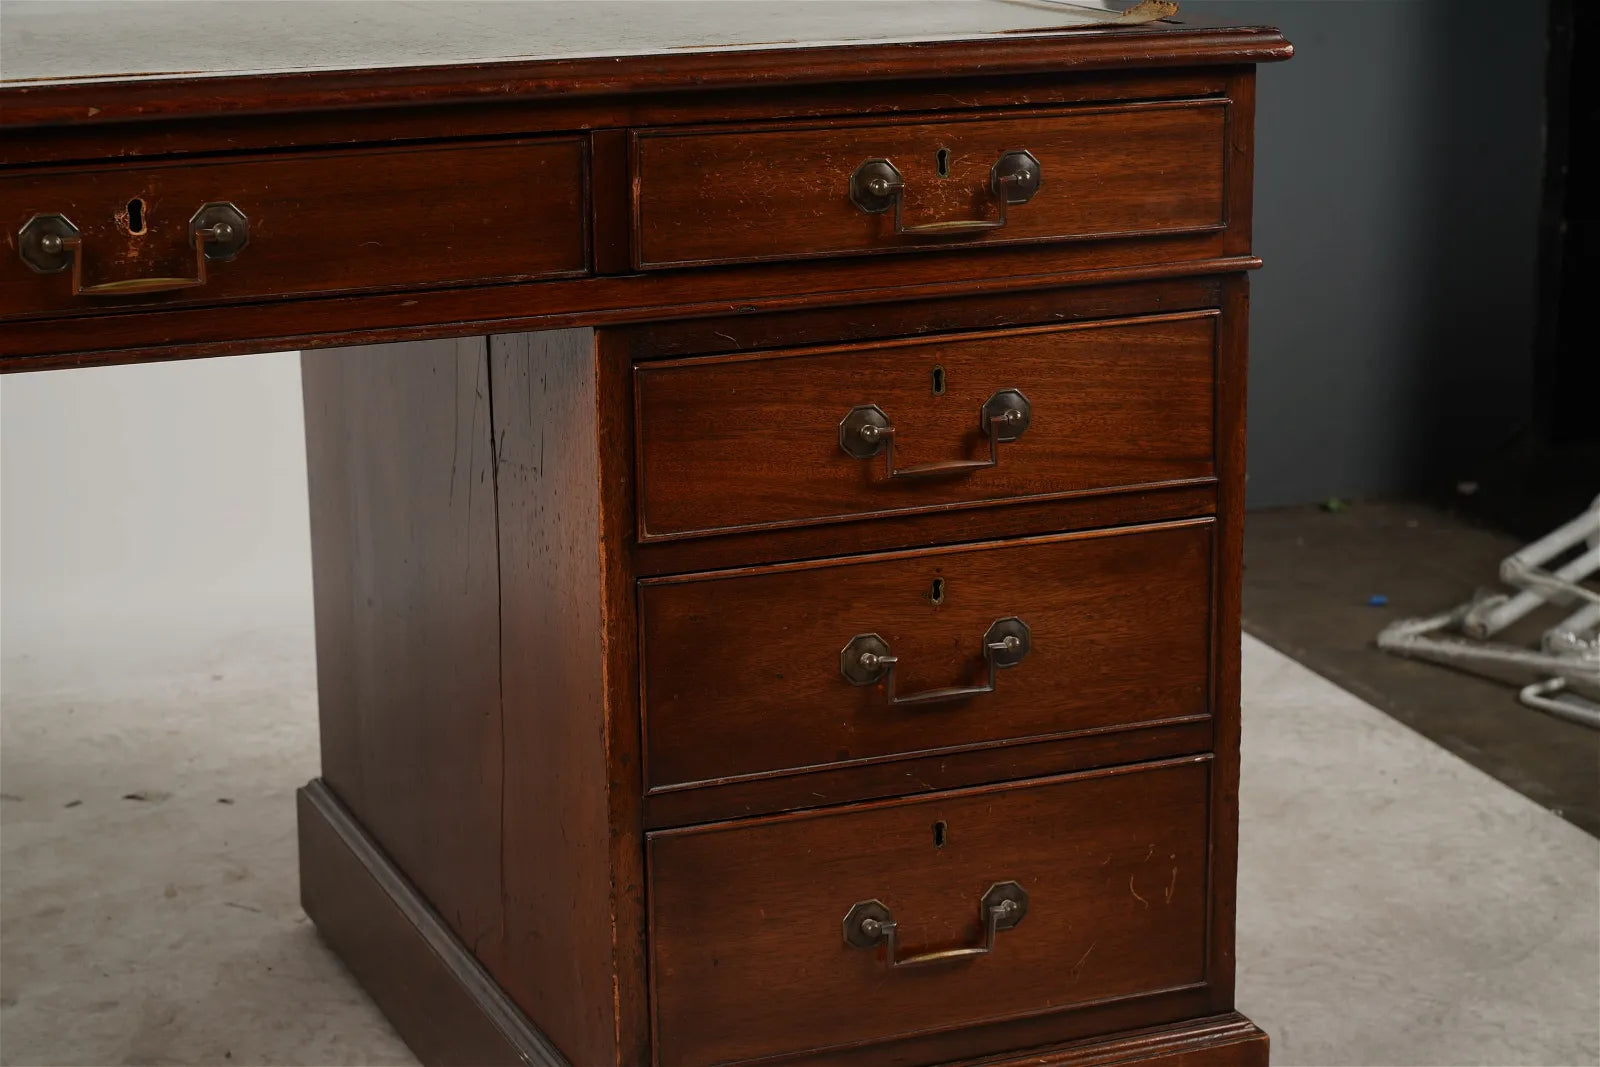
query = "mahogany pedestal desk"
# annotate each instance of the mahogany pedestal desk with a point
(776, 478)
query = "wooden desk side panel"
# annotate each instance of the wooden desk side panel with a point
(475, 634)
(574, 880)
(406, 600)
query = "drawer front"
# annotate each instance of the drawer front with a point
(304, 224)
(762, 440)
(715, 196)
(749, 920)
(745, 675)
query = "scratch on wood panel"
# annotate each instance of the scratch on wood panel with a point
(1172, 885)
(1077, 968)
(1135, 893)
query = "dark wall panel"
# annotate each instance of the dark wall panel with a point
(1399, 161)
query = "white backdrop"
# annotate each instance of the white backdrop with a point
(142, 503)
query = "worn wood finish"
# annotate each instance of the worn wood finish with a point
(586, 548)
(752, 441)
(231, 62)
(912, 774)
(1228, 1040)
(123, 336)
(1126, 170)
(333, 222)
(438, 996)
(1116, 909)
(465, 512)
(751, 659)
(407, 597)
(970, 312)
(574, 894)
(384, 125)
(1229, 549)
(1083, 511)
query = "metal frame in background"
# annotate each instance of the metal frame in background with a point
(1569, 652)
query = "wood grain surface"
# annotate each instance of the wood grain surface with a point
(150, 60)
(439, 998)
(574, 891)
(334, 222)
(406, 594)
(593, 788)
(752, 441)
(741, 674)
(720, 196)
(748, 955)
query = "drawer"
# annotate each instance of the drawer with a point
(774, 439)
(754, 674)
(758, 947)
(712, 195)
(323, 222)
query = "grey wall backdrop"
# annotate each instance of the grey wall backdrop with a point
(1399, 163)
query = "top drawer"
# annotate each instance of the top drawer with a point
(313, 223)
(706, 196)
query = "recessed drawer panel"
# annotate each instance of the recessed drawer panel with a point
(760, 673)
(710, 196)
(846, 928)
(802, 436)
(324, 222)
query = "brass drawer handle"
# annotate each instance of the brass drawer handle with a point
(877, 186)
(866, 660)
(869, 924)
(865, 431)
(51, 243)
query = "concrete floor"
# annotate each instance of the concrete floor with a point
(1397, 906)
(1308, 576)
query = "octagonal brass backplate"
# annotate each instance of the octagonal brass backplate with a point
(998, 894)
(222, 213)
(850, 665)
(855, 921)
(1016, 176)
(1008, 401)
(851, 439)
(995, 641)
(37, 233)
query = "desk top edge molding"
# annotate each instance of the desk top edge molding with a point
(99, 97)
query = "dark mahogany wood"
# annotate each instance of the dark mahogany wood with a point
(1115, 910)
(912, 773)
(90, 336)
(338, 222)
(1128, 170)
(1119, 626)
(1229, 548)
(474, 625)
(572, 826)
(403, 541)
(586, 548)
(952, 314)
(246, 60)
(1228, 1040)
(1076, 511)
(753, 441)
(440, 999)
(386, 125)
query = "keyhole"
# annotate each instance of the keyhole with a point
(136, 215)
(938, 381)
(936, 591)
(942, 159)
(940, 832)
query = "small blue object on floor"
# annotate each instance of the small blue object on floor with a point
(1377, 600)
